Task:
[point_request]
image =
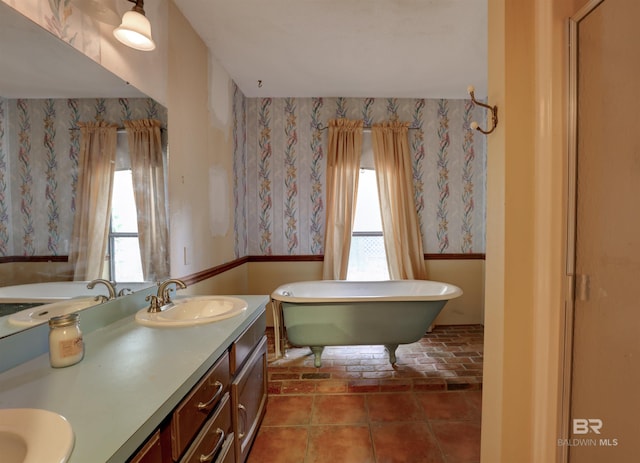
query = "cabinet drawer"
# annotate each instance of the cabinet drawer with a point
(198, 405)
(211, 439)
(242, 347)
(151, 452)
(227, 455)
(248, 400)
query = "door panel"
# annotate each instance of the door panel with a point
(606, 329)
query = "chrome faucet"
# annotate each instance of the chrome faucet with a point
(111, 287)
(163, 297)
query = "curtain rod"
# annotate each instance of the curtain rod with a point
(364, 127)
(118, 129)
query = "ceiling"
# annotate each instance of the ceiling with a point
(296, 48)
(348, 48)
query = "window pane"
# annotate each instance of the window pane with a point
(367, 216)
(367, 257)
(123, 206)
(127, 263)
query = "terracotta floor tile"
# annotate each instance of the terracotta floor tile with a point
(298, 387)
(358, 408)
(282, 376)
(377, 374)
(474, 398)
(445, 406)
(339, 409)
(393, 407)
(463, 383)
(279, 445)
(346, 375)
(285, 410)
(459, 440)
(344, 444)
(405, 443)
(429, 384)
(364, 385)
(331, 386)
(396, 385)
(274, 388)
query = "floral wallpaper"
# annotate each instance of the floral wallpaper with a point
(280, 199)
(65, 21)
(39, 166)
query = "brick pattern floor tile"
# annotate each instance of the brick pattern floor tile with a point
(448, 358)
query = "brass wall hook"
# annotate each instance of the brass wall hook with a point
(493, 109)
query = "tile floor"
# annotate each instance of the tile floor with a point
(356, 408)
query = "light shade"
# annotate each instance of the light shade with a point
(135, 31)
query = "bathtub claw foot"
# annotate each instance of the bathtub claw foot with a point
(317, 354)
(391, 349)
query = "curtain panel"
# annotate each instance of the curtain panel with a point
(400, 226)
(147, 168)
(343, 167)
(90, 235)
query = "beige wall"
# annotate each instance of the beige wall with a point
(197, 149)
(469, 276)
(234, 281)
(526, 222)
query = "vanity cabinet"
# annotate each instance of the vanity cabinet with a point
(217, 421)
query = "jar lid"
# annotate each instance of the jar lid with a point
(64, 320)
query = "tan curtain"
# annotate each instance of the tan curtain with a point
(96, 166)
(343, 167)
(400, 226)
(147, 168)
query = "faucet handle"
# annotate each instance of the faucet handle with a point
(154, 303)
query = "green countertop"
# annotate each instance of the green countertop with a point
(131, 377)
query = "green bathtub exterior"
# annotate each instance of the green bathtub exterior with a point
(390, 323)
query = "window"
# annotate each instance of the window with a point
(367, 256)
(125, 263)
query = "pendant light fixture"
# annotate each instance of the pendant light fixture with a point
(135, 30)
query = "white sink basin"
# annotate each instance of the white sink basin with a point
(42, 313)
(194, 310)
(31, 435)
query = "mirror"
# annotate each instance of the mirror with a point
(46, 86)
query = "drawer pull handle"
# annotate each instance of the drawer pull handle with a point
(202, 406)
(209, 457)
(244, 410)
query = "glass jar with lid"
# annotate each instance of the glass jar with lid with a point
(66, 346)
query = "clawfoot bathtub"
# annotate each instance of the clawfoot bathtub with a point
(343, 313)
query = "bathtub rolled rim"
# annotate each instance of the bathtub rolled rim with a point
(287, 292)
